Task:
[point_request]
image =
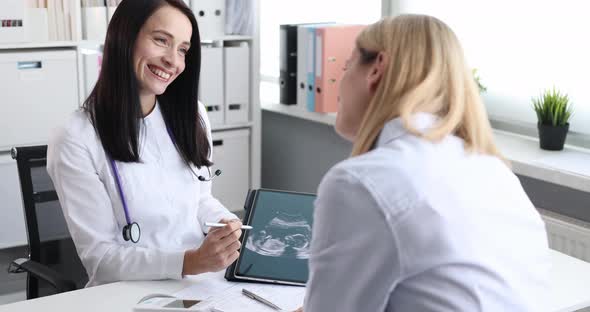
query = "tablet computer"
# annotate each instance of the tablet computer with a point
(276, 250)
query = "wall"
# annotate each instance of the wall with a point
(296, 153)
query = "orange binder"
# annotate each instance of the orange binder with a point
(333, 46)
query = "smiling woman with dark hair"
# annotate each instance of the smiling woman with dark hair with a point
(139, 152)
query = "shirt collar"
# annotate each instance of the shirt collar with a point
(153, 114)
(394, 128)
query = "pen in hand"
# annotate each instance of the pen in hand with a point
(216, 225)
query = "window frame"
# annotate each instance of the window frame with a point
(574, 138)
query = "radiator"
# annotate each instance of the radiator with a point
(567, 235)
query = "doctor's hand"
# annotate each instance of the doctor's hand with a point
(218, 251)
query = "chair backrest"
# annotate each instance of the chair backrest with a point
(49, 239)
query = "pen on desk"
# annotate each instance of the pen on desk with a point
(212, 224)
(256, 297)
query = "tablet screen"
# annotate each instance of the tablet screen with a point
(277, 248)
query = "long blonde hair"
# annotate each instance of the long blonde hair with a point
(426, 72)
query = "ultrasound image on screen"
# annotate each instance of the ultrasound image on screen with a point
(285, 236)
(278, 245)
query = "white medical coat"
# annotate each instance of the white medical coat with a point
(163, 196)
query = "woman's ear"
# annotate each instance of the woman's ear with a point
(377, 70)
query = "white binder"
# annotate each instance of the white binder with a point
(36, 21)
(91, 60)
(110, 12)
(237, 83)
(94, 22)
(302, 68)
(211, 83)
(210, 16)
(12, 28)
(239, 17)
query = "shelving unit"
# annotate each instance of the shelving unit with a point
(39, 45)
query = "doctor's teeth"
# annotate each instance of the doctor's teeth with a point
(160, 73)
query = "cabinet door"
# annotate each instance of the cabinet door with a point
(12, 222)
(231, 154)
(39, 90)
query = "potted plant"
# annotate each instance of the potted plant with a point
(553, 114)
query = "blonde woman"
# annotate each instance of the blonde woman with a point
(425, 215)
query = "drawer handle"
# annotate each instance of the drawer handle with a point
(29, 65)
(217, 142)
(213, 108)
(234, 106)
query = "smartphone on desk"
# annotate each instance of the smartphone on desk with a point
(166, 303)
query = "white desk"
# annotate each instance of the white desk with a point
(570, 278)
(570, 291)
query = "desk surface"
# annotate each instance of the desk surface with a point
(570, 278)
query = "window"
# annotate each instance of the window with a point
(274, 13)
(521, 48)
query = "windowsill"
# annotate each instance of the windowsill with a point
(570, 167)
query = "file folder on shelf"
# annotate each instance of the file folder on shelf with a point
(237, 83)
(211, 83)
(310, 64)
(333, 46)
(94, 22)
(239, 17)
(302, 62)
(288, 64)
(36, 21)
(12, 14)
(302, 67)
(210, 16)
(92, 62)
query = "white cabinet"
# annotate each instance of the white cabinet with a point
(39, 91)
(231, 154)
(236, 64)
(12, 222)
(211, 83)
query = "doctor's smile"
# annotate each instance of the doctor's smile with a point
(160, 73)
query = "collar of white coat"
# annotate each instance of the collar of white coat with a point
(155, 112)
(394, 128)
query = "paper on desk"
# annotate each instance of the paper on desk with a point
(205, 289)
(227, 296)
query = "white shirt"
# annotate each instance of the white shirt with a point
(163, 197)
(420, 226)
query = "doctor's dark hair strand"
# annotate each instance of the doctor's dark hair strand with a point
(114, 106)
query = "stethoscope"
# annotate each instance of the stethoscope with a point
(132, 231)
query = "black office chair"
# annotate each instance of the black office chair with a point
(53, 265)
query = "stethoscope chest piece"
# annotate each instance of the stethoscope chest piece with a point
(132, 232)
